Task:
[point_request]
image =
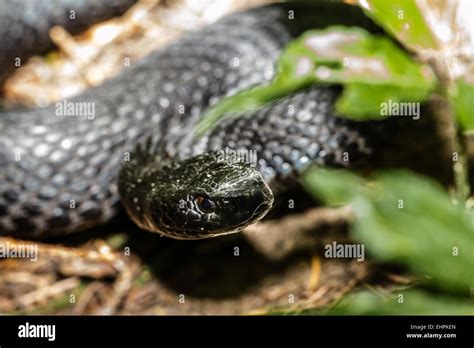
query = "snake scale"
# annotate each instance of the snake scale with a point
(60, 174)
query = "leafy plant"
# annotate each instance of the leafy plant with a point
(404, 20)
(410, 302)
(408, 219)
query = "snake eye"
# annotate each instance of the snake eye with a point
(205, 204)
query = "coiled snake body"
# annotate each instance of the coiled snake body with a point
(60, 173)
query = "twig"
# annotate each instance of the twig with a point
(86, 297)
(46, 292)
(121, 287)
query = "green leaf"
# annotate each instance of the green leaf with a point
(354, 101)
(411, 302)
(408, 219)
(404, 20)
(372, 68)
(334, 186)
(463, 101)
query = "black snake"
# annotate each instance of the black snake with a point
(61, 173)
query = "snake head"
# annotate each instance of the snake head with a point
(207, 196)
